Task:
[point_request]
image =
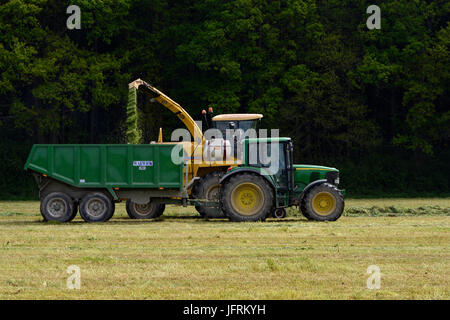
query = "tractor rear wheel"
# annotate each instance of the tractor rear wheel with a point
(209, 188)
(247, 197)
(323, 202)
(148, 210)
(96, 207)
(57, 206)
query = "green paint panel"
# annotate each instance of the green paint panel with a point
(90, 165)
(116, 165)
(39, 158)
(169, 172)
(63, 162)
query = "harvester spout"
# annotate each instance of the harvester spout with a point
(167, 102)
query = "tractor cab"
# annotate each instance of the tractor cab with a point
(233, 128)
(237, 127)
(241, 122)
(258, 153)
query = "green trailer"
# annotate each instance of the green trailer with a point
(93, 177)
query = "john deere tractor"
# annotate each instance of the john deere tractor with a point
(252, 191)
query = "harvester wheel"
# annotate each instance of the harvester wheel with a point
(96, 207)
(57, 206)
(246, 197)
(144, 211)
(323, 203)
(209, 188)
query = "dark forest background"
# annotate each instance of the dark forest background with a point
(374, 103)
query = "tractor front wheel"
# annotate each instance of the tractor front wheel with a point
(246, 197)
(323, 203)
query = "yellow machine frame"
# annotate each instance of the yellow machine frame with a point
(194, 149)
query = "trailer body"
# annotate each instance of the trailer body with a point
(110, 167)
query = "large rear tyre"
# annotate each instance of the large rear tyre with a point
(57, 206)
(323, 203)
(96, 207)
(247, 197)
(209, 188)
(144, 211)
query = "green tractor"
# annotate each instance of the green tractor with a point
(251, 192)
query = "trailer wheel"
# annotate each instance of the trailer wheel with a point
(96, 207)
(323, 203)
(246, 197)
(209, 188)
(57, 206)
(74, 211)
(144, 211)
(73, 215)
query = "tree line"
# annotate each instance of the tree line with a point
(373, 103)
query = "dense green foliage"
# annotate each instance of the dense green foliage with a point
(373, 103)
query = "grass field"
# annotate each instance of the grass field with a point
(184, 257)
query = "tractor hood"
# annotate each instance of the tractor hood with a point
(306, 174)
(308, 167)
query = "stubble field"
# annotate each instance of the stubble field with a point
(181, 256)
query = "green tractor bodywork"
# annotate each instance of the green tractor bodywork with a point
(291, 182)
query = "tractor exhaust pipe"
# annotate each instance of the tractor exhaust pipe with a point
(209, 117)
(205, 120)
